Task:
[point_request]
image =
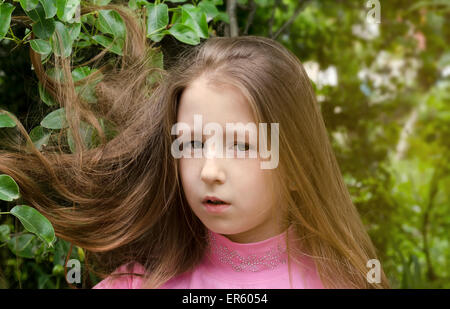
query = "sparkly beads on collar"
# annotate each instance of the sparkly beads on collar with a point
(248, 257)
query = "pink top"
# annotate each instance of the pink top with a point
(231, 265)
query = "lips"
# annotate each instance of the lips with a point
(214, 205)
(212, 201)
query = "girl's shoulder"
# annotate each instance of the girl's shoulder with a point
(126, 281)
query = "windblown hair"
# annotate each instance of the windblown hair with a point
(122, 200)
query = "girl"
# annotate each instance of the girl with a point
(150, 219)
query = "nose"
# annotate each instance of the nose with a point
(212, 172)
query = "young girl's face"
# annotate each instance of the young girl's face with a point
(252, 213)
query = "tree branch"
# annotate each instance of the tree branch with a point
(231, 10)
(272, 18)
(297, 11)
(251, 15)
(407, 130)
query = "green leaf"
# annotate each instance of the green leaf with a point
(157, 19)
(34, 222)
(55, 120)
(22, 245)
(28, 5)
(80, 73)
(209, 9)
(39, 136)
(49, 8)
(195, 18)
(56, 74)
(83, 40)
(86, 134)
(88, 19)
(109, 128)
(101, 2)
(222, 16)
(45, 96)
(61, 40)
(62, 247)
(158, 36)
(135, 4)
(185, 34)
(41, 46)
(9, 190)
(176, 16)
(86, 91)
(157, 61)
(44, 29)
(111, 22)
(37, 14)
(114, 46)
(66, 9)
(4, 233)
(176, 1)
(6, 121)
(74, 31)
(6, 10)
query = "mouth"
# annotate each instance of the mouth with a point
(215, 206)
(213, 201)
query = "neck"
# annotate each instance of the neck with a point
(256, 234)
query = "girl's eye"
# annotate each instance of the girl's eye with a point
(242, 147)
(192, 145)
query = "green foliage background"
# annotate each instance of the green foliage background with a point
(383, 88)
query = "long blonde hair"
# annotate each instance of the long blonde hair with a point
(122, 201)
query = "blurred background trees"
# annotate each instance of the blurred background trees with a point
(382, 80)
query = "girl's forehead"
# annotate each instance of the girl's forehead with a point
(216, 103)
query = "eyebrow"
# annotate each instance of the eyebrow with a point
(235, 135)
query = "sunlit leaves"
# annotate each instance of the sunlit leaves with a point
(5, 230)
(112, 45)
(55, 120)
(22, 245)
(110, 22)
(9, 190)
(34, 222)
(41, 46)
(6, 10)
(64, 37)
(157, 21)
(40, 136)
(6, 121)
(195, 18)
(209, 9)
(185, 34)
(49, 8)
(66, 9)
(28, 5)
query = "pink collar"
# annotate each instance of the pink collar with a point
(256, 257)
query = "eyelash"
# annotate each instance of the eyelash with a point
(247, 146)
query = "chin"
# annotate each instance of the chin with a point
(224, 229)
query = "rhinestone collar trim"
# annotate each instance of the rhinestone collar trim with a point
(269, 259)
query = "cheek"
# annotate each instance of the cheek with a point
(251, 182)
(188, 174)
